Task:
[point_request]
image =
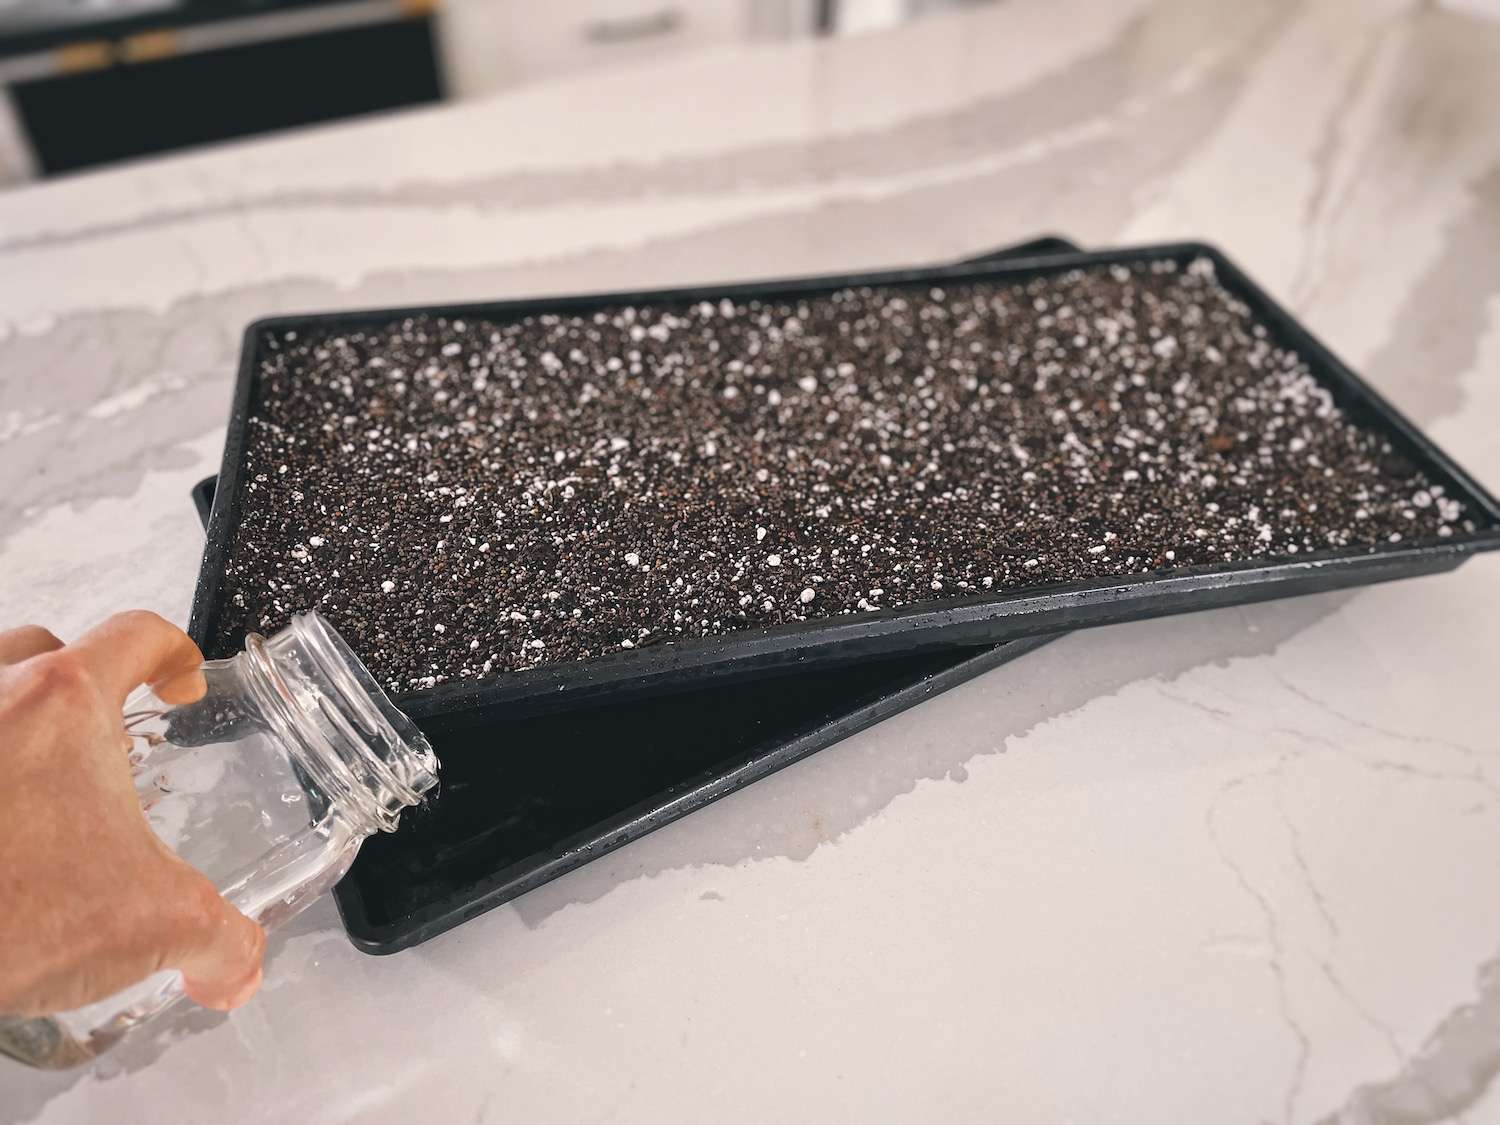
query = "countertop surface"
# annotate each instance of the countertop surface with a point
(1238, 866)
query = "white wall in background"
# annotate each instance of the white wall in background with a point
(16, 162)
(1487, 8)
(491, 44)
(855, 16)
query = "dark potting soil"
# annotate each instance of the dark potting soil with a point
(469, 497)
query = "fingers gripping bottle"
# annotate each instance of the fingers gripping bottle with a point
(268, 785)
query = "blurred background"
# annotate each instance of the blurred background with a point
(89, 82)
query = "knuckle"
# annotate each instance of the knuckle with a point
(56, 675)
(187, 915)
(138, 620)
(35, 636)
(204, 907)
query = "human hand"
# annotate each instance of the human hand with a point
(90, 900)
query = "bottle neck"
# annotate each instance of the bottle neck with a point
(352, 741)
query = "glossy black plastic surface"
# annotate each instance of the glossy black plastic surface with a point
(510, 818)
(910, 630)
(505, 822)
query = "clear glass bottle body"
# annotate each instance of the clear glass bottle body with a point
(268, 785)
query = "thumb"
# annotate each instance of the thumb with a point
(216, 948)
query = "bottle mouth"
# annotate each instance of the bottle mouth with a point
(359, 743)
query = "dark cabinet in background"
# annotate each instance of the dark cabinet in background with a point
(189, 77)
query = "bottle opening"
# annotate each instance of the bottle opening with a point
(348, 733)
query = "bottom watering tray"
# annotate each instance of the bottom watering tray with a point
(526, 799)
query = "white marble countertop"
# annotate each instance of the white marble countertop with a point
(1240, 866)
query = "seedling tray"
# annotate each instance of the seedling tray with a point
(508, 822)
(509, 818)
(978, 619)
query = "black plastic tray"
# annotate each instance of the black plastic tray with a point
(914, 629)
(510, 817)
(506, 823)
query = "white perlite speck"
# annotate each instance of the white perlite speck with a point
(898, 450)
(387, 585)
(807, 595)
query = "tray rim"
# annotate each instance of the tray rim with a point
(665, 806)
(643, 817)
(647, 815)
(955, 622)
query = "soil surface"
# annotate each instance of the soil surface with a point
(469, 497)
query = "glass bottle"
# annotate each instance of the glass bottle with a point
(268, 785)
